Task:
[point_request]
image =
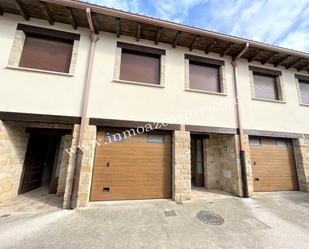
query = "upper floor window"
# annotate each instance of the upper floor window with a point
(139, 64)
(204, 74)
(44, 49)
(266, 84)
(303, 84)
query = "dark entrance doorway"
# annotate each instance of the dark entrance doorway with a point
(41, 160)
(197, 161)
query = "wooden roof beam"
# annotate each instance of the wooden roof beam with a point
(211, 46)
(158, 34)
(306, 67)
(118, 27)
(295, 63)
(227, 48)
(21, 8)
(258, 53)
(194, 42)
(46, 11)
(282, 61)
(174, 43)
(138, 31)
(270, 58)
(72, 17)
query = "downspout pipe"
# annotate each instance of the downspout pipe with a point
(240, 126)
(84, 118)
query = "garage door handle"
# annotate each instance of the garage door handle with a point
(257, 179)
(254, 163)
(108, 163)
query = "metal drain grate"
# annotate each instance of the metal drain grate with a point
(209, 218)
(170, 213)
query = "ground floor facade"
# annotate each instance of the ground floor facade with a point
(120, 163)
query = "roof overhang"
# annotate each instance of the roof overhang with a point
(144, 27)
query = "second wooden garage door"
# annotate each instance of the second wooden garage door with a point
(138, 167)
(273, 165)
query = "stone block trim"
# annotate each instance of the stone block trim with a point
(17, 48)
(67, 140)
(248, 165)
(301, 154)
(89, 145)
(88, 148)
(181, 166)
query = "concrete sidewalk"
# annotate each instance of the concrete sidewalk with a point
(269, 220)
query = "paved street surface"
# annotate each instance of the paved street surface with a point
(269, 220)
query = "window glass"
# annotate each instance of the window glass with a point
(281, 143)
(155, 138)
(255, 141)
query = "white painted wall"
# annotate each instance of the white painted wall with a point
(272, 116)
(35, 92)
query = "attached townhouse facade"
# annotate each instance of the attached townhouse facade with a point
(100, 104)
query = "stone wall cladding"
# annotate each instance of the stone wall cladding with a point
(17, 48)
(89, 145)
(301, 153)
(222, 163)
(67, 141)
(181, 166)
(13, 146)
(248, 164)
(88, 148)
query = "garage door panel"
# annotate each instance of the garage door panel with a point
(137, 170)
(273, 166)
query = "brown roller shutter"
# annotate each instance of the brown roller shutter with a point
(140, 67)
(265, 86)
(139, 167)
(204, 77)
(47, 53)
(304, 91)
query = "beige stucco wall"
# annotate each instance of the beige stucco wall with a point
(272, 116)
(171, 104)
(36, 92)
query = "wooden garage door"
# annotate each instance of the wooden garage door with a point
(273, 165)
(138, 167)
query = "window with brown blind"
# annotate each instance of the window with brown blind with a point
(46, 53)
(139, 66)
(265, 86)
(205, 77)
(304, 91)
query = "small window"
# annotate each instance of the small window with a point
(255, 141)
(205, 77)
(281, 143)
(304, 91)
(265, 86)
(140, 67)
(46, 53)
(113, 137)
(155, 138)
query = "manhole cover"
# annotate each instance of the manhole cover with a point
(209, 218)
(4, 215)
(170, 213)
